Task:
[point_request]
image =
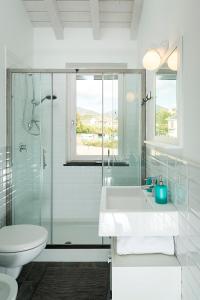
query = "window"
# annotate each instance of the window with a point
(166, 105)
(94, 117)
(167, 110)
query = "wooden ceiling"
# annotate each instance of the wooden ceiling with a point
(95, 14)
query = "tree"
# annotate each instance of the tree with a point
(162, 117)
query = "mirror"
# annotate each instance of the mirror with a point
(166, 124)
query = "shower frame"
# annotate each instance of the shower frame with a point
(9, 112)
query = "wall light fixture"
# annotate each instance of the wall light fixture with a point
(172, 61)
(153, 57)
(151, 60)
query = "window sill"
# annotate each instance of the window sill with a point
(163, 145)
(99, 163)
(167, 148)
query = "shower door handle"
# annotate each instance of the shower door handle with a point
(73, 124)
(44, 159)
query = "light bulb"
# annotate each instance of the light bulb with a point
(172, 61)
(151, 60)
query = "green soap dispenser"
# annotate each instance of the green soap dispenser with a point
(161, 192)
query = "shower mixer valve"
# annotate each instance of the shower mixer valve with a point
(22, 147)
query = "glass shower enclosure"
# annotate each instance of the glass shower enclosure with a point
(70, 133)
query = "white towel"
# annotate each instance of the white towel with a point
(145, 245)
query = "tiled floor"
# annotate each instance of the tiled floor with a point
(63, 281)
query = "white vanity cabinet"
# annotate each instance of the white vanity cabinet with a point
(132, 212)
(145, 277)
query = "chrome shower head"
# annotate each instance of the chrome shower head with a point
(49, 97)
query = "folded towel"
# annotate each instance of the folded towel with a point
(145, 245)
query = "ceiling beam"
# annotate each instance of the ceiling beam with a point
(52, 9)
(135, 19)
(94, 9)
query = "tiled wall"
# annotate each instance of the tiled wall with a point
(183, 180)
(6, 187)
(77, 193)
(27, 162)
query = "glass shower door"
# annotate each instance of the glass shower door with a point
(71, 134)
(76, 186)
(122, 128)
(31, 150)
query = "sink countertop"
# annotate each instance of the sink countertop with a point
(159, 207)
(131, 211)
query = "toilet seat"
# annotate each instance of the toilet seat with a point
(17, 238)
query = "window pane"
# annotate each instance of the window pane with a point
(110, 114)
(91, 128)
(166, 105)
(88, 115)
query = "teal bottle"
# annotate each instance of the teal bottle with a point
(161, 193)
(148, 181)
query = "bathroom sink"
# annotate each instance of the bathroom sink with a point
(125, 199)
(8, 287)
(131, 211)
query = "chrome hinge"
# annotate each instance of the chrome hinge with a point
(109, 259)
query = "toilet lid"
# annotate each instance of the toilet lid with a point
(16, 238)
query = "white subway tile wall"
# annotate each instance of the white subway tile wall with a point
(183, 180)
(6, 188)
(26, 169)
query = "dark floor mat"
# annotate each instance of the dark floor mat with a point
(63, 281)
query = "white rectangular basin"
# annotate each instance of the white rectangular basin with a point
(130, 211)
(125, 199)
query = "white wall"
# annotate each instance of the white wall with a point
(16, 45)
(79, 46)
(166, 20)
(16, 31)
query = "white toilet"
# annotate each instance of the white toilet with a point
(19, 245)
(8, 287)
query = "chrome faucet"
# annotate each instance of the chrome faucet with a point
(108, 158)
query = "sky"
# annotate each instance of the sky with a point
(89, 94)
(166, 93)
